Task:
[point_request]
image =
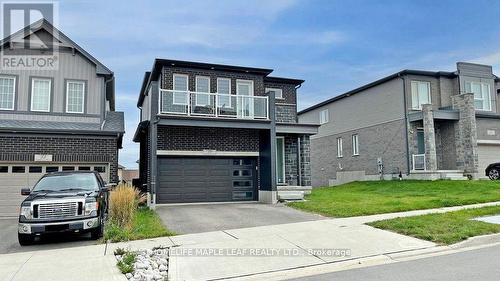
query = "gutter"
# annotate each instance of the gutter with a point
(406, 125)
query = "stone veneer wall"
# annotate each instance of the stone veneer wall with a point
(466, 134)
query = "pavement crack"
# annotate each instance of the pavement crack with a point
(305, 250)
(21, 267)
(230, 234)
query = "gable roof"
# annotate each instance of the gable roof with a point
(61, 37)
(378, 82)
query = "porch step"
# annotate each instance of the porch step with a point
(459, 177)
(305, 189)
(290, 195)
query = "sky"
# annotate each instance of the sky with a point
(334, 46)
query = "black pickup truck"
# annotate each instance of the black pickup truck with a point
(73, 201)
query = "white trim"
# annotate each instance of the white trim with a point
(13, 93)
(283, 153)
(83, 98)
(418, 106)
(355, 152)
(230, 90)
(201, 93)
(276, 90)
(32, 92)
(243, 81)
(206, 153)
(494, 142)
(186, 92)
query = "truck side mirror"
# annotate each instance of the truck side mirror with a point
(25, 191)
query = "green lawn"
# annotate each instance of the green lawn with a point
(375, 197)
(146, 224)
(446, 228)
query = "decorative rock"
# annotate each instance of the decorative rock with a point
(163, 267)
(129, 275)
(158, 277)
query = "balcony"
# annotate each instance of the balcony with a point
(187, 103)
(419, 162)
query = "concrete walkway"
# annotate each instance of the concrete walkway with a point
(231, 253)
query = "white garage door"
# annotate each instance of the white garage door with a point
(13, 177)
(487, 154)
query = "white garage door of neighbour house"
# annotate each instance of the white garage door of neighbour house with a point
(13, 177)
(487, 154)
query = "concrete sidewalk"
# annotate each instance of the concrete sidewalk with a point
(291, 243)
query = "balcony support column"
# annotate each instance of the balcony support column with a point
(429, 138)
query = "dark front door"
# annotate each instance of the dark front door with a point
(206, 179)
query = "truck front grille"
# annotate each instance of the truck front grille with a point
(57, 210)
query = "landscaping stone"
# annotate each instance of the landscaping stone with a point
(149, 265)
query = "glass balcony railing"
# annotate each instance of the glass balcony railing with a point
(213, 105)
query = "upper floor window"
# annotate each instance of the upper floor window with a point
(355, 145)
(420, 94)
(7, 92)
(224, 90)
(75, 96)
(482, 94)
(278, 93)
(323, 116)
(180, 95)
(244, 87)
(202, 86)
(40, 94)
(339, 147)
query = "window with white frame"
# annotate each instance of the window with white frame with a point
(482, 94)
(420, 94)
(75, 96)
(181, 94)
(7, 92)
(278, 93)
(224, 90)
(40, 94)
(323, 116)
(202, 86)
(340, 145)
(355, 145)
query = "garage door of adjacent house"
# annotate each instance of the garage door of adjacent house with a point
(13, 177)
(487, 154)
(206, 179)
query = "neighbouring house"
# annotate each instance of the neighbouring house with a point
(59, 119)
(216, 133)
(127, 175)
(424, 124)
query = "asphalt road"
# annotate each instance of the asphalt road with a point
(9, 244)
(479, 264)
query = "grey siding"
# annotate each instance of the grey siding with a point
(442, 89)
(146, 107)
(478, 73)
(484, 125)
(70, 67)
(386, 141)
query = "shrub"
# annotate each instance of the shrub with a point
(124, 200)
(126, 264)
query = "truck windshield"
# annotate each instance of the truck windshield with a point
(67, 182)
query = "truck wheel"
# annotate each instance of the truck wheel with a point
(494, 174)
(98, 232)
(25, 239)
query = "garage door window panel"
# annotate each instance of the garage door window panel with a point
(4, 169)
(51, 169)
(18, 169)
(35, 169)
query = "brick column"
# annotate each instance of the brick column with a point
(429, 138)
(466, 134)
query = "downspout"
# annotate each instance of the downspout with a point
(406, 126)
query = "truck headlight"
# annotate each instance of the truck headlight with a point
(25, 211)
(91, 208)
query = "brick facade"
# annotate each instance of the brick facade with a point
(202, 138)
(74, 149)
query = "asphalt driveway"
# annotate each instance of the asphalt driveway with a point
(9, 244)
(195, 218)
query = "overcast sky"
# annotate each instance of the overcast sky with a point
(334, 45)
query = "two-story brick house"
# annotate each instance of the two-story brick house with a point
(216, 133)
(423, 124)
(55, 119)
